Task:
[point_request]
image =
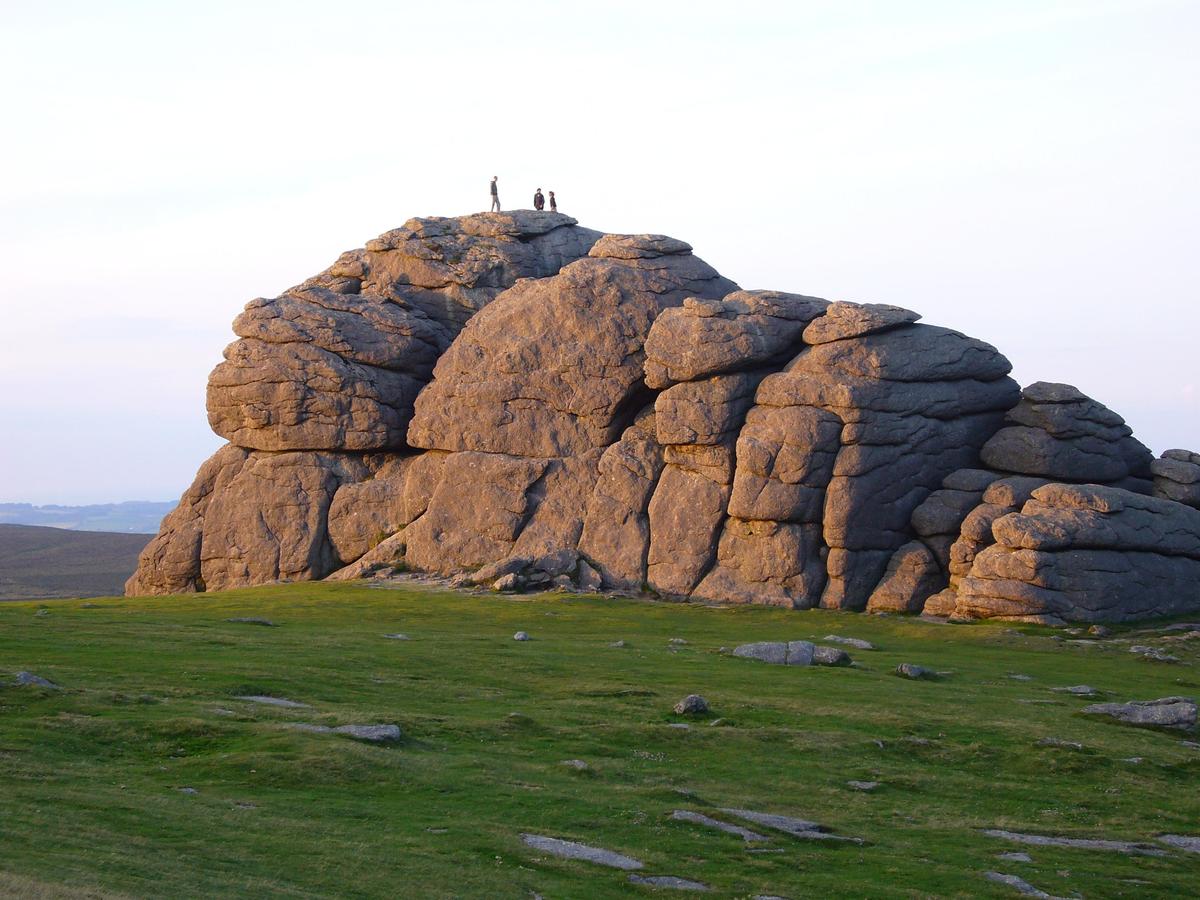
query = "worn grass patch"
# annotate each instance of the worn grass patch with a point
(91, 776)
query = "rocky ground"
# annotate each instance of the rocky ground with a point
(402, 738)
(495, 391)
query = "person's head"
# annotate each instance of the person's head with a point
(552, 193)
(539, 190)
(494, 177)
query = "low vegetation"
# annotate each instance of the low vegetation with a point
(144, 775)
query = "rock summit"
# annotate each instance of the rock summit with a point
(517, 392)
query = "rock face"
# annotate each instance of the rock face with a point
(520, 399)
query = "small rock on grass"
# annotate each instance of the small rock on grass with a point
(252, 620)
(911, 670)
(1018, 677)
(691, 705)
(1079, 690)
(669, 881)
(28, 679)
(1177, 713)
(863, 785)
(1059, 742)
(1189, 843)
(686, 815)
(1099, 631)
(397, 637)
(618, 644)
(521, 636)
(1047, 840)
(1020, 884)
(577, 764)
(830, 656)
(1153, 653)
(800, 828)
(574, 850)
(1015, 857)
(188, 790)
(857, 643)
(273, 701)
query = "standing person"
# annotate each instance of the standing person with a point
(495, 196)
(553, 205)
(539, 202)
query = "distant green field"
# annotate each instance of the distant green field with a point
(91, 776)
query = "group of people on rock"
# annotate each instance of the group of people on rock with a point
(539, 200)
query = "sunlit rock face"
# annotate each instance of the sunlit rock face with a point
(515, 395)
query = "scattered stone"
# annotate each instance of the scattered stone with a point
(1058, 742)
(1015, 857)
(574, 850)
(857, 643)
(792, 653)
(42, 612)
(1166, 712)
(577, 764)
(1188, 843)
(1016, 677)
(1134, 760)
(397, 637)
(1099, 631)
(684, 815)
(618, 644)
(911, 670)
(375, 734)
(520, 636)
(1021, 885)
(678, 642)
(691, 705)
(863, 785)
(669, 881)
(509, 582)
(28, 679)
(1079, 690)
(273, 701)
(1041, 840)
(1192, 744)
(800, 828)
(1155, 653)
(830, 656)
(188, 790)
(716, 723)
(587, 578)
(253, 620)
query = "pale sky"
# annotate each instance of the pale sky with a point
(1022, 171)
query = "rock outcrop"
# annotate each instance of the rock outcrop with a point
(521, 400)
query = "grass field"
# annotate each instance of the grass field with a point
(91, 776)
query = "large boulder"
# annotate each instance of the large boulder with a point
(337, 362)
(1087, 553)
(1177, 477)
(1058, 432)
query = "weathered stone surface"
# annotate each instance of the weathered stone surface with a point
(1087, 553)
(1177, 477)
(1045, 840)
(268, 523)
(741, 330)
(476, 512)
(831, 656)
(691, 705)
(708, 411)
(765, 562)
(575, 850)
(170, 563)
(780, 653)
(386, 553)
(685, 516)
(1058, 432)
(843, 320)
(800, 828)
(552, 367)
(912, 576)
(672, 882)
(364, 513)
(1167, 712)
(29, 679)
(616, 525)
(686, 815)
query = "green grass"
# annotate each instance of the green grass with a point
(90, 776)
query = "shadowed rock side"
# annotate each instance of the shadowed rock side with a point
(536, 403)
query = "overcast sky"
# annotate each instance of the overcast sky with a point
(1023, 171)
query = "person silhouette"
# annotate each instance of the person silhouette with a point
(553, 204)
(495, 196)
(539, 202)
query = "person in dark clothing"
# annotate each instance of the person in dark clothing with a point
(553, 205)
(539, 202)
(495, 196)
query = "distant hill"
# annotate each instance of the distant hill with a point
(38, 562)
(131, 517)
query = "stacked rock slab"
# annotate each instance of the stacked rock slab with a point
(1087, 553)
(332, 367)
(1177, 477)
(532, 404)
